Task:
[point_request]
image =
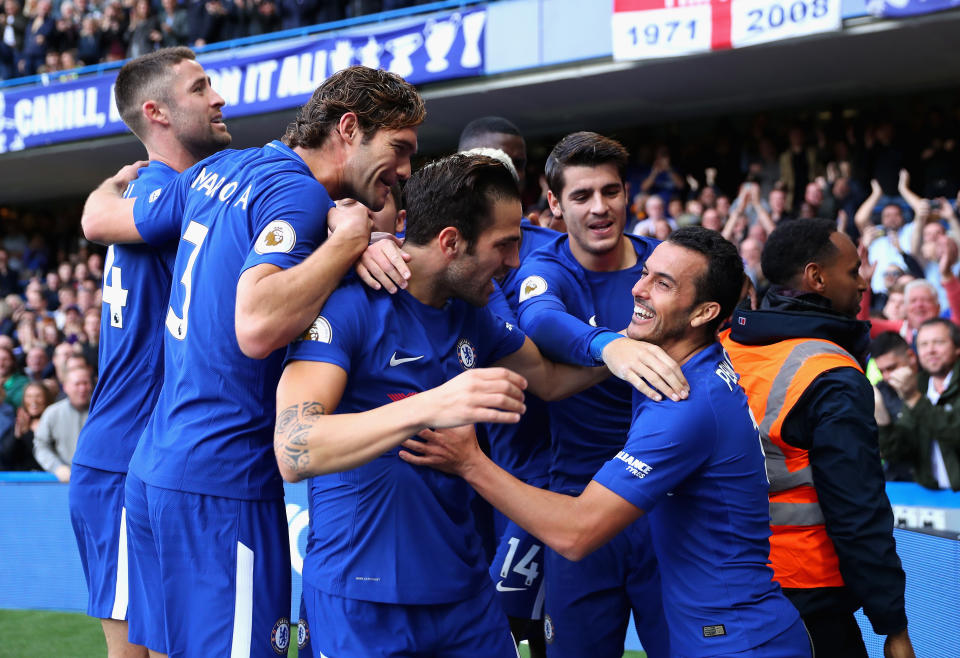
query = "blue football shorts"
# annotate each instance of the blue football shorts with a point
(345, 628)
(100, 524)
(210, 576)
(588, 603)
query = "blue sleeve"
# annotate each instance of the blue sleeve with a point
(834, 421)
(158, 206)
(289, 223)
(500, 306)
(667, 442)
(501, 337)
(543, 316)
(336, 335)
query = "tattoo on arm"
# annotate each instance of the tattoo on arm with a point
(290, 436)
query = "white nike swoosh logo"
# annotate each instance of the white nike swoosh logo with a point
(502, 588)
(394, 361)
(593, 320)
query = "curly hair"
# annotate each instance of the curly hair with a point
(379, 99)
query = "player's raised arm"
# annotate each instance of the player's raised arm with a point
(107, 216)
(274, 305)
(310, 439)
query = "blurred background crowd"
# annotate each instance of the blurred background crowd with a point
(47, 36)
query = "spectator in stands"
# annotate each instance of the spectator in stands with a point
(17, 453)
(925, 431)
(36, 38)
(55, 438)
(798, 167)
(14, 27)
(144, 36)
(10, 452)
(90, 41)
(298, 13)
(897, 364)
(66, 33)
(38, 366)
(9, 277)
(113, 32)
(656, 217)
(174, 24)
(884, 161)
(920, 299)
(209, 20)
(887, 244)
(12, 380)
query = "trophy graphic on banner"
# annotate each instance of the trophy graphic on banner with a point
(439, 39)
(401, 48)
(472, 29)
(370, 53)
(340, 56)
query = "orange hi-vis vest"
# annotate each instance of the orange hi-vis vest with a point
(774, 378)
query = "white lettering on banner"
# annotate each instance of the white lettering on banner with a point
(113, 113)
(259, 81)
(56, 112)
(226, 82)
(301, 74)
(642, 30)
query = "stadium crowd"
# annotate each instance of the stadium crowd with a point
(50, 279)
(43, 36)
(813, 223)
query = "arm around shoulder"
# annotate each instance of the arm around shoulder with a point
(108, 217)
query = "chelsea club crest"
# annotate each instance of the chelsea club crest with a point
(466, 354)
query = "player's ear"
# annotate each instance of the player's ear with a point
(349, 128)
(155, 112)
(703, 313)
(401, 222)
(449, 240)
(554, 203)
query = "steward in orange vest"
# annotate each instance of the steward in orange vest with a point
(799, 356)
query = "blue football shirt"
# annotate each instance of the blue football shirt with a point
(562, 308)
(697, 468)
(522, 449)
(212, 429)
(389, 531)
(136, 289)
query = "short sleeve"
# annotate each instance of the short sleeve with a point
(667, 442)
(500, 336)
(336, 335)
(158, 206)
(289, 223)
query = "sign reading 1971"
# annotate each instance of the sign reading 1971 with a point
(645, 29)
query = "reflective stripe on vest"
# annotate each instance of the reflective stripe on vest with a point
(775, 378)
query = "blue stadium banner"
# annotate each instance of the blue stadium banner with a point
(900, 8)
(256, 79)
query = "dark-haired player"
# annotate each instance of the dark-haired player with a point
(694, 467)
(254, 266)
(394, 564)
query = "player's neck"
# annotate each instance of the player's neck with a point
(686, 347)
(173, 155)
(326, 164)
(621, 257)
(424, 279)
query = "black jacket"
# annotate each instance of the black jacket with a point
(834, 421)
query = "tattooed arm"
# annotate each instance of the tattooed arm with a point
(311, 440)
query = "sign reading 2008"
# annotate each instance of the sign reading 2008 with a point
(645, 29)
